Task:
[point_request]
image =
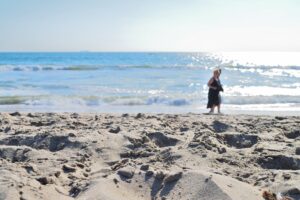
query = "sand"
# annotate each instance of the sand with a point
(148, 156)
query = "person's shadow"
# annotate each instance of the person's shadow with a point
(162, 189)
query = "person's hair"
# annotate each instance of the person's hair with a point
(216, 70)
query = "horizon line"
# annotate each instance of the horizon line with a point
(87, 51)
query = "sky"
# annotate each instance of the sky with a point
(150, 25)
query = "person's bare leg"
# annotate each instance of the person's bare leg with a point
(212, 110)
(219, 108)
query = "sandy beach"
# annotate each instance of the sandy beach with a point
(146, 156)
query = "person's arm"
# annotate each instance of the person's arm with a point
(221, 88)
(209, 84)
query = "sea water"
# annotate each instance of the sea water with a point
(253, 82)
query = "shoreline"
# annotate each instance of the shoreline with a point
(148, 156)
(119, 110)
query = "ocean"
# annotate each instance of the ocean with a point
(254, 82)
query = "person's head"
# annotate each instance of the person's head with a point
(216, 73)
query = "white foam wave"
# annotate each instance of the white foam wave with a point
(261, 91)
(61, 101)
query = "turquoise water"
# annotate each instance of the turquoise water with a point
(146, 82)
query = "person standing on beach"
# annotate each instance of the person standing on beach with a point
(214, 98)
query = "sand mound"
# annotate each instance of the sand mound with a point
(192, 185)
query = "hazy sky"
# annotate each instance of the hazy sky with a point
(150, 25)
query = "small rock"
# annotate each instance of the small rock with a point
(116, 129)
(298, 151)
(67, 168)
(126, 172)
(125, 115)
(45, 180)
(174, 176)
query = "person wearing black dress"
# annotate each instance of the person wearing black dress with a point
(215, 87)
